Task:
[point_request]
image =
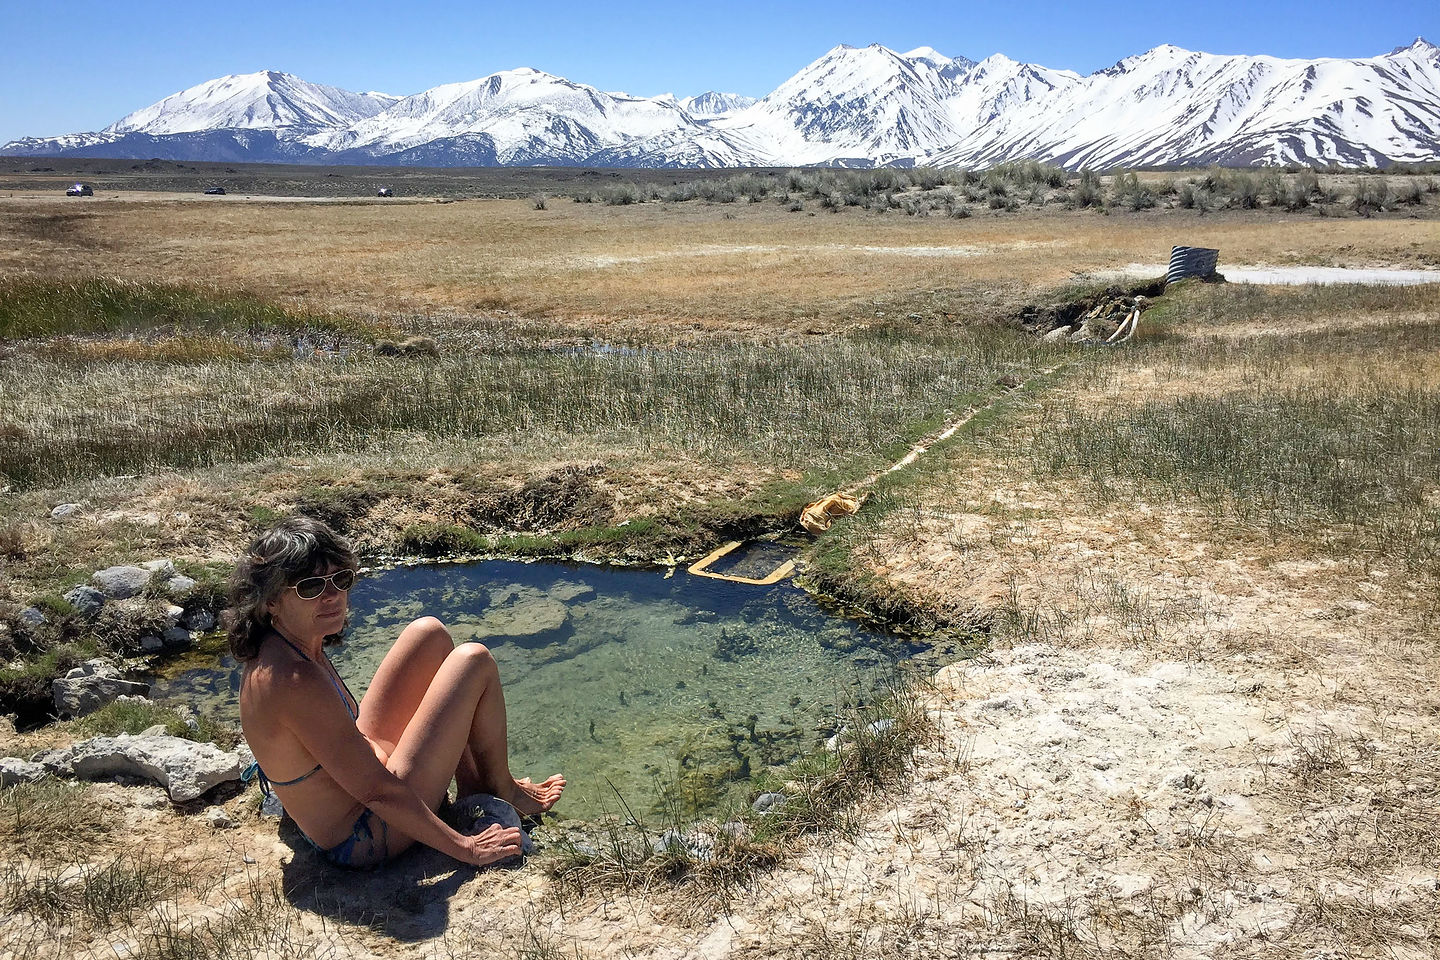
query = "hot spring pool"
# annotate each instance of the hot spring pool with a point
(624, 680)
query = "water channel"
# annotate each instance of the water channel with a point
(627, 681)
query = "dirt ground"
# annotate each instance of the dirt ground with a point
(1183, 741)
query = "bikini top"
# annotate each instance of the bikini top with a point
(341, 689)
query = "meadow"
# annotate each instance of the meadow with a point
(1248, 488)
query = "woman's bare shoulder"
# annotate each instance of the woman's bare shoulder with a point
(274, 676)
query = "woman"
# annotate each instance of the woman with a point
(363, 780)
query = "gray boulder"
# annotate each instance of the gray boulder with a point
(179, 586)
(87, 601)
(151, 644)
(475, 813)
(199, 620)
(32, 617)
(695, 847)
(121, 582)
(767, 802)
(1058, 335)
(176, 637)
(13, 770)
(173, 614)
(186, 769)
(90, 686)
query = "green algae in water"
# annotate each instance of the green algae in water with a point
(626, 681)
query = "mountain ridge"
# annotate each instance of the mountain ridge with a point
(853, 106)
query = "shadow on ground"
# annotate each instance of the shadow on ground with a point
(407, 899)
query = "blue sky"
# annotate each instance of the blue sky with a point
(83, 64)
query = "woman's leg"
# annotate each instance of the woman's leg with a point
(462, 710)
(400, 685)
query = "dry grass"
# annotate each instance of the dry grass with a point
(669, 264)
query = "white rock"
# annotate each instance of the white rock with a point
(64, 510)
(13, 770)
(186, 769)
(163, 567)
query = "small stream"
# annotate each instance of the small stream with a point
(627, 681)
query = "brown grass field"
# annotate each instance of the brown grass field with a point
(737, 266)
(1205, 566)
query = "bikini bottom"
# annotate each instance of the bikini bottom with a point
(363, 848)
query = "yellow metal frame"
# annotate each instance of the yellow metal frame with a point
(775, 576)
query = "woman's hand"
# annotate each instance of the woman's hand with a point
(492, 845)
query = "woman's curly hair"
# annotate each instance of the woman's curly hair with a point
(292, 549)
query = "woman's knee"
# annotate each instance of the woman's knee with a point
(476, 656)
(430, 632)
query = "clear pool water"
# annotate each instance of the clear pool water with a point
(629, 682)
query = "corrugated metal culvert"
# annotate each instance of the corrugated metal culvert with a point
(1191, 262)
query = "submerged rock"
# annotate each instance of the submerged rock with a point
(565, 591)
(186, 769)
(517, 612)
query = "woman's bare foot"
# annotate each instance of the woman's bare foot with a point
(530, 798)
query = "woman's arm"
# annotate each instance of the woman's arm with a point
(311, 711)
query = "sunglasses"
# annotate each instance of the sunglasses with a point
(310, 588)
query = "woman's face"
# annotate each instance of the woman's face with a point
(310, 619)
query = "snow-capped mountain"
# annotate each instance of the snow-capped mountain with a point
(855, 106)
(528, 116)
(1170, 106)
(252, 116)
(858, 106)
(268, 100)
(714, 104)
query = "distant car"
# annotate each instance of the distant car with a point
(384, 192)
(216, 191)
(80, 190)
